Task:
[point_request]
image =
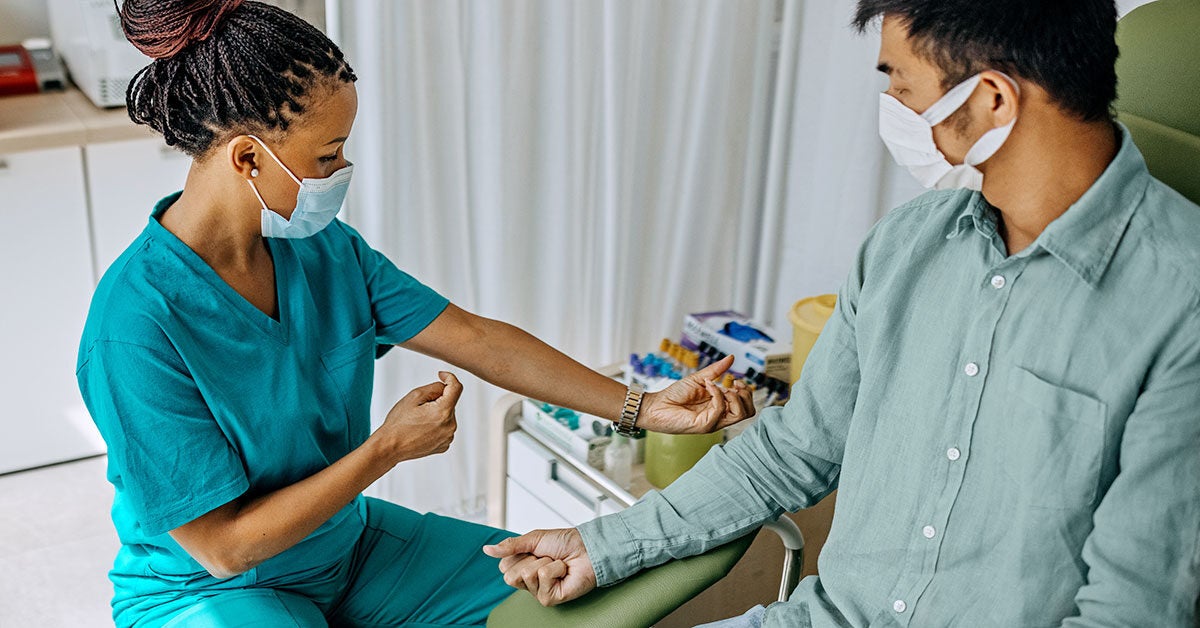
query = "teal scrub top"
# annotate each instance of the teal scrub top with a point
(203, 398)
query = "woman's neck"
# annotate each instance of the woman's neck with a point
(217, 221)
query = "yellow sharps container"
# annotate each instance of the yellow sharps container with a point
(808, 318)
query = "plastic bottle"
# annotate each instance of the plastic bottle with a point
(618, 461)
(669, 455)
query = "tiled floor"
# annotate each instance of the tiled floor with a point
(56, 546)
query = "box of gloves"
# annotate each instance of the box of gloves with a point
(754, 345)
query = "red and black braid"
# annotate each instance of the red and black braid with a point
(223, 66)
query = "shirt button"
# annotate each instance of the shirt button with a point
(971, 369)
(929, 532)
(953, 454)
(998, 281)
(899, 606)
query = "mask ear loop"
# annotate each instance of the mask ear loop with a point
(254, 172)
(272, 154)
(260, 198)
(990, 142)
(958, 95)
(951, 101)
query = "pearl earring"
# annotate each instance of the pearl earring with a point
(254, 172)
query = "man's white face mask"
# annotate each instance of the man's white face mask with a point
(909, 137)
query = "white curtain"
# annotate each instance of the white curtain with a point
(830, 177)
(575, 168)
(594, 170)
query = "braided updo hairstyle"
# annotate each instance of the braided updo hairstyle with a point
(224, 67)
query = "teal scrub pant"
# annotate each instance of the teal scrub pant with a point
(407, 569)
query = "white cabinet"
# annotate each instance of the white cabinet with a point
(125, 180)
(67, 214)
(45, 286)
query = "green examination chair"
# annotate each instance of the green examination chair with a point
(1159, 87)
(652, 594)
(1158, 77)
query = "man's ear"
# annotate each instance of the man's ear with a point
(242, 154)
(1004, 95)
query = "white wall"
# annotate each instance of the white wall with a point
(1125, 6)
(22, 19)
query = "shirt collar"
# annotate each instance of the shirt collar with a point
(978, 215)
(1085, 237)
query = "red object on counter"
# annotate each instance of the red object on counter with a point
(16, 72)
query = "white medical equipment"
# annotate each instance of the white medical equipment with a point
(99, 58)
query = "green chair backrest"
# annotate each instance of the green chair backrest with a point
(1158, 76)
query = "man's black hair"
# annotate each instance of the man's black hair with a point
(1067, 47)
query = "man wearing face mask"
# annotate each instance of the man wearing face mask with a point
(1006, 395)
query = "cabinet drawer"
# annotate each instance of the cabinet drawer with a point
(125, 180)
(552, 481)
(526, 512)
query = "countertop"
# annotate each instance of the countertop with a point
(57, 119)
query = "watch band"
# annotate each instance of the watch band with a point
(627, 424)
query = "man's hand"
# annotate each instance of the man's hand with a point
(553, 565)
(695, 405)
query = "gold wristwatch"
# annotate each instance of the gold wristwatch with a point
(627, 424)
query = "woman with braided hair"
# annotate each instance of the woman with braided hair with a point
(228, 357)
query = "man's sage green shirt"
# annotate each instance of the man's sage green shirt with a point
(1016, 438)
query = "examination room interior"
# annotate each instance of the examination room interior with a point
(619, 178)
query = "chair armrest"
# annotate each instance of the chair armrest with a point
(793, 557)
(640, 601)
(647, 597)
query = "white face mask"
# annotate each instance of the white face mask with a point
(317, 203)
(909, 137)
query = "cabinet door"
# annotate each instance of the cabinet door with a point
(45, 288)
(125, 180)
